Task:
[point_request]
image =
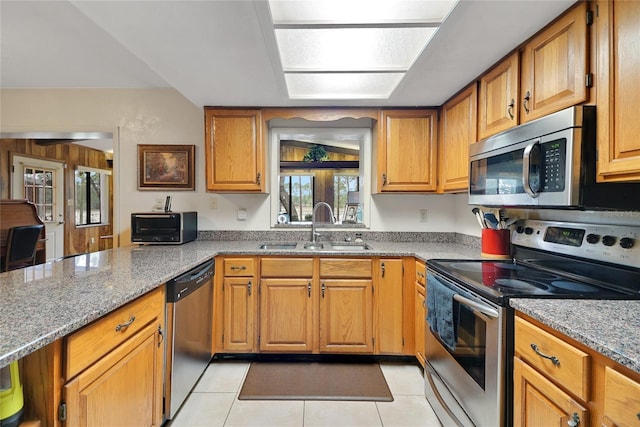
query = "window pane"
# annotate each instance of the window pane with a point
(49, 178)
(94, 202)
(81, 196)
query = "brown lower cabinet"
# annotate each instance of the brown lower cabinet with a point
(579, 386)
(352, 305)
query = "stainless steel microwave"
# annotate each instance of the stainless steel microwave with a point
(164, 227)
(547, 163)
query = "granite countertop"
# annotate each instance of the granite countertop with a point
(608, 326)
(46, 302)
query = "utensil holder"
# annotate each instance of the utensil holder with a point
(496, 243)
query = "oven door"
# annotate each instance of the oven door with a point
(541, 171)
(465, 373)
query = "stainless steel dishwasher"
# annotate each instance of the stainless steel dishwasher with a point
(188, 314)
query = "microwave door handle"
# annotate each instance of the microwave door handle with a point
(481, 308)
(526, 169)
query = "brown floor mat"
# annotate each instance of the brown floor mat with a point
(315, 381)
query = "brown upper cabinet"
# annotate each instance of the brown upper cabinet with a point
(457, 133)
(618, 90)
(498, 98)
(555, 66)
(234, 150)
(406, 151)
(550, 72)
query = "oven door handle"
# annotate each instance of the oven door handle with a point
(481, 308)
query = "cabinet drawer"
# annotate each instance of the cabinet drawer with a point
(572, 366)
(286, 267)
(345, 267)
(421, 273)
(621, 399)
(239, 267)
(90, 343)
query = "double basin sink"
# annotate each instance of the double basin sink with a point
(318, 246)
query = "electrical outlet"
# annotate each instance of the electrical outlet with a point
(213, 202)
(242, 214)
(422, 214)
(93, 240)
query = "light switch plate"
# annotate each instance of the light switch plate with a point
(242, 214)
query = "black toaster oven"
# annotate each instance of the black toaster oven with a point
(164, 227)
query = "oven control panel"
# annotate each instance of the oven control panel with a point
(618, 244)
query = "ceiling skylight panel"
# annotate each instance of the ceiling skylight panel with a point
(351, 49)
(342, 85)
(359, 11)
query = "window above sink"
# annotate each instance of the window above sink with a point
(320, 162)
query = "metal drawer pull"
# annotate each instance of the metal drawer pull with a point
(553, 359)
(242, 267)
(125, 325)
(574, 421)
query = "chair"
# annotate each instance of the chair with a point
(21, 246)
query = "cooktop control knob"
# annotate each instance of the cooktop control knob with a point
(608, 240)
(593, 238)
(626, 242)
(519, 229)
(528, 230)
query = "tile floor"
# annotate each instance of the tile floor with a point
(214, 402)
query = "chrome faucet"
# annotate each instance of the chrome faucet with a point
(314, 234)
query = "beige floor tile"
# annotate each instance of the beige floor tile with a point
(266, 413)
(407, 411)
(223, 377)
(204, 410)
(319, 413)
(403, 379)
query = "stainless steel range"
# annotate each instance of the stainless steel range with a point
(469, 338)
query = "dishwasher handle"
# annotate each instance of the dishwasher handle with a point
(190, 281)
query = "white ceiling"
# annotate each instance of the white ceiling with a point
(223, 53)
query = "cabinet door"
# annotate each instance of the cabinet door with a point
(621, 400)
(239, 314)
(286, 315)
(618, 93)
(457, 131)
(555, 66)
(124, 388)
(346, 321)
(538, 402)
(407, 151)
(234, 150)
(389, 296)
(498, 97)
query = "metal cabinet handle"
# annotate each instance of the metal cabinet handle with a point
(382, 269)
(323, 290)
(125, 325)
(384, 179)
(525, 103)
(258, 178)
(242, 267)
(249, 285)
(309, 289)
(510, 109)
(160, 336)
(574, 421)
(553, 359)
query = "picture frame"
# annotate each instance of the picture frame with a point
(166, 167)
(350, 215)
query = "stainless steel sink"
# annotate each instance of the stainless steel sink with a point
(278, 245)
(350, 246)
(314, 246)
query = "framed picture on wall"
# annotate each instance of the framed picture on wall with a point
(350, 213)
(166, 167)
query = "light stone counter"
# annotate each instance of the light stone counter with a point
(46, 302)
(610, 327)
